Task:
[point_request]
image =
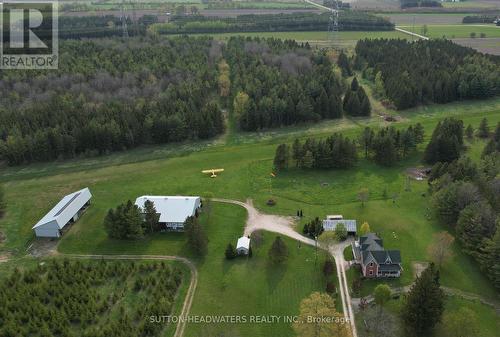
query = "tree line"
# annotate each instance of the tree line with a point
(465, 197)
(84, 298)
(110, 95)
(423, 71)
(385, 146)
(129, 222)
(196, 24)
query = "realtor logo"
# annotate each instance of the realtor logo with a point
(28, 31)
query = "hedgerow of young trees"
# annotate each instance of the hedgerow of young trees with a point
(424, 71)
(88, 298)
(386, 146)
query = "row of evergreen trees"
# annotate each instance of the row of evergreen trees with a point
(385, 146)
(424, 71)
(87, 298)
(466, 198)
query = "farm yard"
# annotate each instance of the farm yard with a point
(247, 163)
(395, 201)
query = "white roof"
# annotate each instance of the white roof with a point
(331, 225)
(171, 208)
(334, 217)
(66, 208)
(243, 242)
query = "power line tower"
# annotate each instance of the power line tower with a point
(333, 23)
(124, 21)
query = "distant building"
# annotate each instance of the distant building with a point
(67, 211)
(330, 224)
(243, 246)
(173, 210)
(375, 261)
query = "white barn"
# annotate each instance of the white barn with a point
(243, 246)
(67, 211)
(173, 210)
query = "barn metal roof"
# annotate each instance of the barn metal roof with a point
(66, 208)
(174, 209)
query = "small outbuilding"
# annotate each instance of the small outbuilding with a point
(67, 211)
(243, 246)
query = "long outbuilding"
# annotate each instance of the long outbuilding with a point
(67, 211)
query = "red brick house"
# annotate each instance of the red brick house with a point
(375, 261)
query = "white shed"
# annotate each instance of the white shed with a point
(243, 246)
(66, 211)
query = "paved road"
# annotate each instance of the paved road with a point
(188, 301)
(284, 225)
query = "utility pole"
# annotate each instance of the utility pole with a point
(124, 21)
(333, 23)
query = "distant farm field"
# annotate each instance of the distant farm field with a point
(319, 38)
(456, 31)
(423, 18)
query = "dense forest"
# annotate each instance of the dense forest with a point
(348, 21)
(419, 72)
(87, 298)
(385, 146)
(466, 198)
(110, 95)
(276, 83)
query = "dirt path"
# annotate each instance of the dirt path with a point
(271, 223)
(284, 225)
(188, 301)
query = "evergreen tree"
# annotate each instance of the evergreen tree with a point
(344, 65)
(282, 157)
(230, 252)
(124, 222)
(484, 130)
(3, 203)
(196, 236)
(151, 217)
(424, 304)
(366, 139)
(278, 253)
(446, 142)
(328, 268)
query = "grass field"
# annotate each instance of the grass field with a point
(243, 286)
(456, 31)
(487, 318)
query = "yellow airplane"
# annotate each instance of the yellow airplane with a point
(213, 172)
